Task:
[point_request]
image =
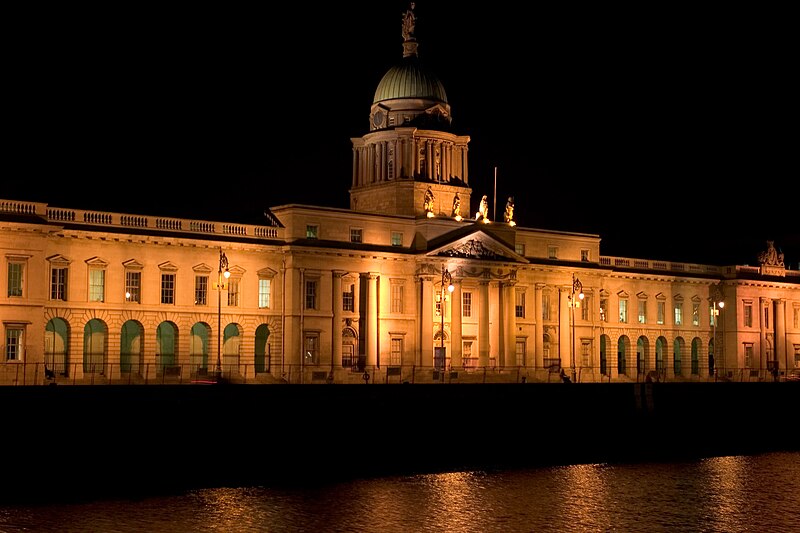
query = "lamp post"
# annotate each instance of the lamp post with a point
(222, 275)
(447, 286)
(718, 305)
(577, 287)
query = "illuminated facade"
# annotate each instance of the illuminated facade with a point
(323, 294)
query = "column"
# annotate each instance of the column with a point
(564, 349)
(781, 352)
(372, 320)
(762, 333)
(429, 160)
(465, 165)
(426, 322)
(510, 342)
(336, 326)
(456, 345)
(538, 328)
(483, 324)
(355, 166)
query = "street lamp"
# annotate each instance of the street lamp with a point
(577, 287)
(222, 276)
(717, 308)
(447, 286)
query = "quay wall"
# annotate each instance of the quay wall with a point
(139, 439)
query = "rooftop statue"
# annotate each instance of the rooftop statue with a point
(409, 22)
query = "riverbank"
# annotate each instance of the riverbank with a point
(135, 439)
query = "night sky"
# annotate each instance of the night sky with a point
(666, 132)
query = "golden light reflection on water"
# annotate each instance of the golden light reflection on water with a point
(715, 495)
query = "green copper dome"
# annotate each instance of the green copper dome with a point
(409, 80)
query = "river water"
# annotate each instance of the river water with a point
(749, 493)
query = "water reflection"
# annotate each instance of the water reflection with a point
(724, 494)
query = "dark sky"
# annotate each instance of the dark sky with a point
(670, 133)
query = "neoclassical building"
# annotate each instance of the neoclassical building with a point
(407, 285)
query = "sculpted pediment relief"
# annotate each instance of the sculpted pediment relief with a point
(478, 245)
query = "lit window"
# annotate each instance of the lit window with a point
(97, 285)
(133, 285)
(15, 278)
(14, 344)
(312, 231)
(200, 290)
(397, 296)
(397, 238)
(264, 292)
(58, 283)
(167, 288)
(356, 235)
(234, 293)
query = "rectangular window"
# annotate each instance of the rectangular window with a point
(14, 344)
(748, 355)
(642, 311)
(585, 306)
(695, 314)
(311, 356)
(545, 306)
(552, 252)
(661, 310)
(712, 312)
(396, 353)
(466, 304)
(397, 297)
(15, 278)
(58, 283)
(348, 299)
(264, 292)
(168, 288)
(586, 352)
(585, 255)
(748, 315)
(355, 235)
(519, 249)
(438, 304)
(623, 311)
(678, 314)
(200, 290)
(466, 354)
(519, 304)
(397, 238)
(520, 352)
(234, 294)
(133, 286)
(312, 231)
(603, 309)
(97, 285)
(311, 294)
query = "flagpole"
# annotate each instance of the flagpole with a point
(494, 209)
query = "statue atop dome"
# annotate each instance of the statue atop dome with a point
(409, 23)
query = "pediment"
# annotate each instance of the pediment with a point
(202, 268)
(168, 266)
(97, 262)
(133, 264)
(477, 245)
(59, 259)
(438, 109)
(267, 273)
(237, 271)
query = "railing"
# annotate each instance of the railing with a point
(99, 218)
(20, 373)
